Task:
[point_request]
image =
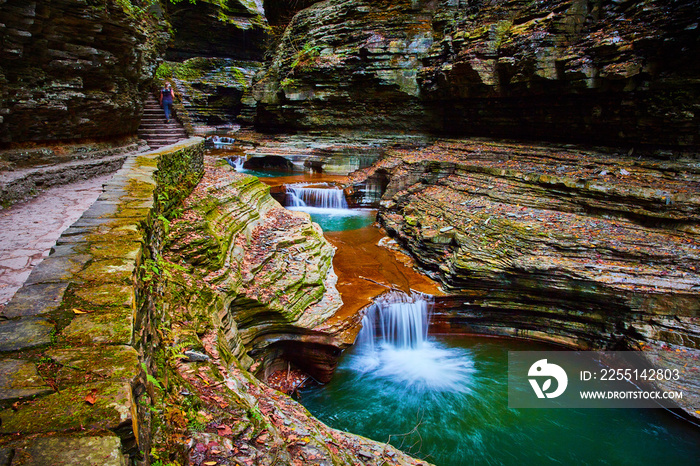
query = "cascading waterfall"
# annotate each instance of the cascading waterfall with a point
(396, 318)
(237, 162)
(301, 195)
(393, 345)
(327, 206)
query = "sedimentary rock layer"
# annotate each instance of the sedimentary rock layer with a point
(69, 70)
(211, 89)
(614, 72)
(235, 29)
(263, 271)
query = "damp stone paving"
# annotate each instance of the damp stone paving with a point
(29, 230)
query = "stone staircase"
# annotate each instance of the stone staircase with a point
(154, 130)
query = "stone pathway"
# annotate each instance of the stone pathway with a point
(69, 377)
(29, 230)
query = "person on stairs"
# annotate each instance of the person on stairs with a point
(167, 95)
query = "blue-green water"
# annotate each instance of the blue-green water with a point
(265, 173)
(340, 219)
(474, 426)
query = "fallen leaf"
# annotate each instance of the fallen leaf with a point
(79, 311)
(224, 430)
(210, 463)
(91, 397)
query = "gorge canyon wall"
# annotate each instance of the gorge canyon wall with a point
(590, 248)
(602, 72)
(74, 70)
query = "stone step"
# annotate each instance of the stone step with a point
(173, 124)
(163, 144)
(157, 123)
(161, 134)
(163, 138)
(159, 116)
(104, 450)
(164, 130)
(155, 130)
(153, 143)
(58, 410)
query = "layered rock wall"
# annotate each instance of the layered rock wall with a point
(26, 172)
(212, 91)
(606, 72)
(267, 271)
(235, 29)
(216, 50)
(72, 69)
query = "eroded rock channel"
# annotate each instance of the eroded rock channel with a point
(583, 248)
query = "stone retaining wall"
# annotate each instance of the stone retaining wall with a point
(73, 338)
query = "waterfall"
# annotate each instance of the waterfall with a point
(393, 345)
(237, 162)
(396, 319)
(327, 206)
(325, 198)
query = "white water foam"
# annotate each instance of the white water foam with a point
(393, 344)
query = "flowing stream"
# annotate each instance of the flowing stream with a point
(393, 345)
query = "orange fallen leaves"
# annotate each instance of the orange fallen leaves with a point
(91, 397)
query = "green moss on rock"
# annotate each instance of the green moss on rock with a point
(68, 410)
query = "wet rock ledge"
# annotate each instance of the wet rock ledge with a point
(578, 247)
